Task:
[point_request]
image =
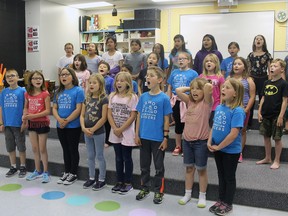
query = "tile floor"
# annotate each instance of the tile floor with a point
(21, 197)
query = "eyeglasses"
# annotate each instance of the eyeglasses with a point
(182, 59)
(10, 76)
(37, 78)
(64, 74)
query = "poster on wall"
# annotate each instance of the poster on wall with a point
(33, 32)
(33, 45)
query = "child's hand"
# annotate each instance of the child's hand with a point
(27, 117)
(87, 132)
(118, 132)
(260, 118)
(2, 127)
(163, 145)
(24, 126)
(279, 122)
(137, 141)
(63, 123)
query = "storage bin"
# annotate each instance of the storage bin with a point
(139, 24)
(152, 14)
(128, 24)
(139, 14)
(152, 24)
(120, 37)
(134, 35)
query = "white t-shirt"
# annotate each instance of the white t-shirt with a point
(65, 61)
(113, 60)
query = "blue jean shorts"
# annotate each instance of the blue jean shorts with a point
(195, 154)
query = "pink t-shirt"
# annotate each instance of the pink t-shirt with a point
(121, 108)
(83, 76)
(36, 104)
(217, 81)
(197, 121)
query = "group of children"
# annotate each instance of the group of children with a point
(130, 109)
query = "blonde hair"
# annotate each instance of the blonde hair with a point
(200, 83)
(128, 80)
(101, 92)
(281, 62)
(239, 89)
(12, 71)
(159, 73)
(216, 61)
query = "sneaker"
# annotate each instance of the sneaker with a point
(34, 175)
(88, 183)
(158, 198)
(224, 209)
(142, 194)
(240, 160)
(126, 188)
(12, 171)
(63, 178)
(177, 151)
(45, 177)
(70, 179)
(117, 188)
(22, 172)
(213, 208)
(99, 185)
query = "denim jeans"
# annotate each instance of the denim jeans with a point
(123, 159)
(95, 149)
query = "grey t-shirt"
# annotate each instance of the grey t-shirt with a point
(94, 113)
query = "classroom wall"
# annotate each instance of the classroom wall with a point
(58, 25)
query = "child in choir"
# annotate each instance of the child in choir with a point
(137, 59)
(152, 133)
(12, 104)
(227, 63)
(80, 67)
(179, 78)
(121, 116)
(211, 72)
(93, 58)
(196, 131)
(103, 69)
(152, 60)
(113, 57)
(179, 46)
(67, 106)
(36, 115)
(163, 62)
(209, 46)
(240, 72)
(128, 68)
(225, 142)
(259, 67)
(67, 59)
(93, 117)
(271, 112)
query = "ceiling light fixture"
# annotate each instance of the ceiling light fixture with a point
(114, 11)
(90, 5)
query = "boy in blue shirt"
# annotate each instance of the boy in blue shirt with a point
(152, 129)
(11, 111)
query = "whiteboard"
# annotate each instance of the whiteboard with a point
(239, 27)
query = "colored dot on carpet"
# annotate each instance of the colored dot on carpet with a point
(31, 191)
(10, 187)
(53, 195)
(107, 206)
(142, 212)
(78, 200)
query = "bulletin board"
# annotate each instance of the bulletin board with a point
(227, 27)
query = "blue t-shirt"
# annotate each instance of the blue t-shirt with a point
(135, 86)
(179, 78)
(165, 64)
(12, 104)
(226, 65)
(225, 119)
(67, 101)
(109, 81)
(152, 109)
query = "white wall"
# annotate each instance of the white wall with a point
(58, 25)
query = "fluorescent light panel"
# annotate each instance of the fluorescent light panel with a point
(91, 5)
(165, 0)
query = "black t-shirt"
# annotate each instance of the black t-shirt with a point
(273, 92)
(142, 77)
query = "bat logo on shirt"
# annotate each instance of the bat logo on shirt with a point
(270, 90)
